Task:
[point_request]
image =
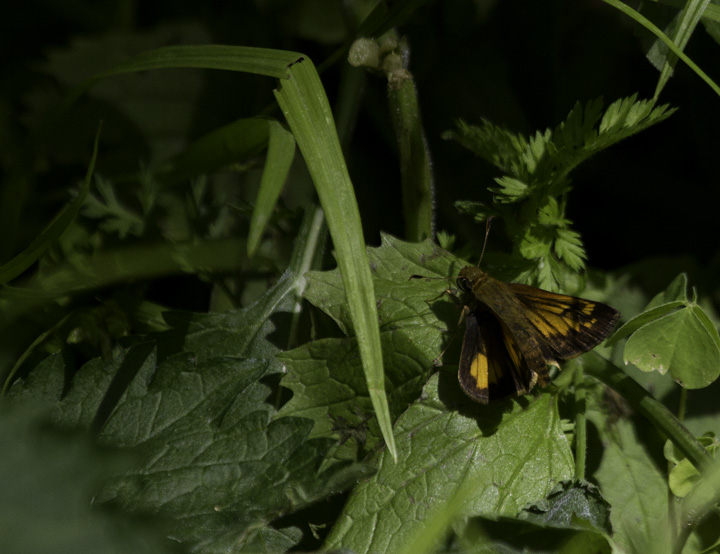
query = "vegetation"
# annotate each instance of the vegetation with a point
(211, 341)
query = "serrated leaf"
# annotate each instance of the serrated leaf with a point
(325, 376)
(210, 457)
(572, 519)
(572, 504)
(569, 248)
(551, 214)
(477, 209)
(537, 171)
(393, 263)
(509, 190)
(532, 246)
(511, 454)
(192, 407)
(329, 388)
(679, 342)
(497, 145)
(115, 217)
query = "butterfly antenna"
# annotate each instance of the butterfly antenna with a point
(487, 232)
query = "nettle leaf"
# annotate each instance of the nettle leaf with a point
(329, 387)
(574, 517)
(572, 504)
(193, 410)
(674, 335)
(326, 376)
(513, 454)
(209, 455)
(418, 321)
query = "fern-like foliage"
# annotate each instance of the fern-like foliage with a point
(114, 216)
(531, 193)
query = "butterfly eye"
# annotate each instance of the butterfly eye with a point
(464, 284)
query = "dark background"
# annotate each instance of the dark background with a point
(522, 64)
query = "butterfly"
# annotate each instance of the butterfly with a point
(513, 332)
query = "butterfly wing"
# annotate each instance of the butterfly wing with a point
(492, 366)
(567, 325)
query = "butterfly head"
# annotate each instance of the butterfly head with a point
(470, 277)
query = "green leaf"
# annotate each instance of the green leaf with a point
(54, 229)
(572, 504)
(643, 319)
(627, 10)
(683, 342)
(573, 518)
(680, 343)
(634, 486)
(683, 28)
(329, 386)
(112, 266)
(683, 477)
(660, 417)
(306, 108)
(675, 291)
(262, 61)
(326, 376)
(569, 248)
(281, 151)
(231, 143)
(510, 455)
(209, 456)
(192, 408)
(513, 536)
(510, 190)
(530, 194)
(116, 217)
(634, 474)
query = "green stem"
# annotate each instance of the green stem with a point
(696, 505)
(415, 167)
(580, 423)
(643, 402)
(683, 404)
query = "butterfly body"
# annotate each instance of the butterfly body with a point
(513, 332)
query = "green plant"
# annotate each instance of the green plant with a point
(290, 406)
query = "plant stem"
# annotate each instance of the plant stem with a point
(701, 499)
(580, 422)
(683, 404)
(643, 402)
